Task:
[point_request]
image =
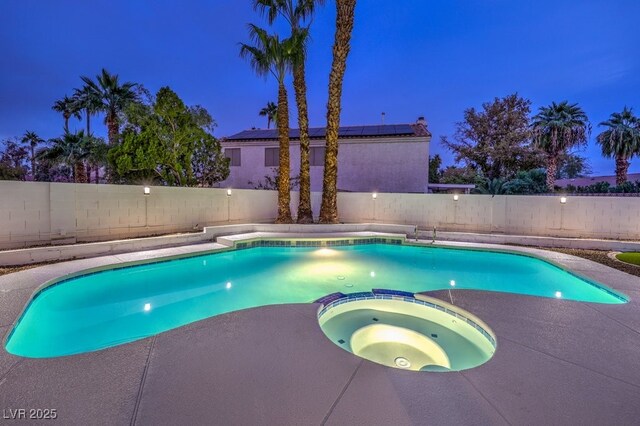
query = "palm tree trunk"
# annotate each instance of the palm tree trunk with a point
(622, 166)
(284, 195)
(341, 47)
(33, 162)
(80, 173)
(88, 122)
(112, 128)
(552, 168)
(305, 215)
(66, 124)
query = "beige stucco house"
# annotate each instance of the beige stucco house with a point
(380, 158)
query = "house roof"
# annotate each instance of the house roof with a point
(590, 180)
(376, 131)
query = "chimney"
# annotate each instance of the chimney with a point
(422, 121)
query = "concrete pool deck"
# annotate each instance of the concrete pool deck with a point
(557, 362)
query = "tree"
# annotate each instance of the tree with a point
(527, 183)
(556, 129)
(113, 99)
(168, 143)
(67, 107)
(271, 112)
(572, 165)
(459, 175)
(12, 161)
(96, 158)
(435, 173)
(89, 101)
(32, 140)
(341, 48)
(297, 14)
(621, 140)
(209, 164)
(496, 141)
(70, 149)
(270, 55)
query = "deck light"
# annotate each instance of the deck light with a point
(452, 283)
(147, 307)
(456, 197)
(563, 200)
(147, 190)
(374, 195)
(229, 192)
(559, 294)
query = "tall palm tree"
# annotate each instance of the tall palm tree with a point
(71, 149)
(341, 48)
(85, 99)
(296, 14)
(621, 140)
(33, 140)
(556, 129)
(67, 107)
(113, 97)
(270, 55)
(271, 112)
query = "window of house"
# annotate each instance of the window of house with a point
(271, 157)
(233, 154)
(316, 156)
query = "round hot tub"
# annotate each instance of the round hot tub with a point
(402, 331)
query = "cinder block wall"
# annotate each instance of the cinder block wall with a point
(35, 213)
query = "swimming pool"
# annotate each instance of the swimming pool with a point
(120, 305)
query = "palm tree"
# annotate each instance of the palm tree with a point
(556, 129)
(113, 98)
(621, 140)
(96, 158)
(270, 55)
(85, 99)
(341, 48)
(296, 14)
(67, 107)
(271, 112)
(33, 140)
(71, 149)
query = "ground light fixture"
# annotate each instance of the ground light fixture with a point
(456, 197)
(229, 192)
(563, 200)
(374, 195)
(147, 190)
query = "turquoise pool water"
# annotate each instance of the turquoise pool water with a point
(116, 306)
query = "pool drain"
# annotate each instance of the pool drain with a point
(402, 362)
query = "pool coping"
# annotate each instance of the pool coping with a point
(25, 283)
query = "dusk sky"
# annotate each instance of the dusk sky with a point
(409, 58)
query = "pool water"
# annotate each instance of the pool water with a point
(116, 306)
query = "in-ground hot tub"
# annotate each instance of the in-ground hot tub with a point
(399, 330)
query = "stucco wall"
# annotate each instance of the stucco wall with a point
(385, 165)
(33, 213)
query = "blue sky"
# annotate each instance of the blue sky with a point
(409, 58)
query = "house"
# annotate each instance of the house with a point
(380, 158)
(590, 180)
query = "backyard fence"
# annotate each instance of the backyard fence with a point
(38, 213)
